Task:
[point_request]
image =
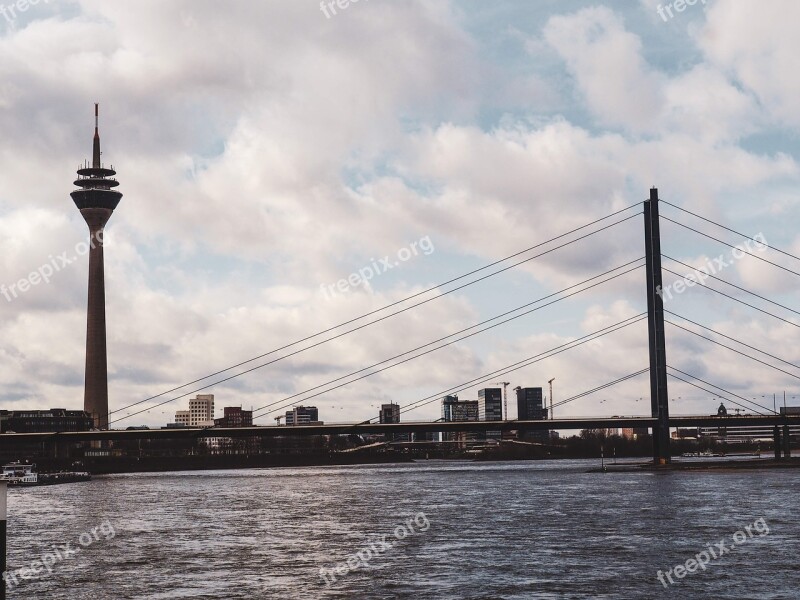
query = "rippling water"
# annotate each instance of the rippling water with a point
(496, 530)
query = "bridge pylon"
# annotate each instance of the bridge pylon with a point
(659, 398)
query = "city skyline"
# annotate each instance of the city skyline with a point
(226, 238)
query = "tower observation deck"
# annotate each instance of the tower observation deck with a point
(96, 200)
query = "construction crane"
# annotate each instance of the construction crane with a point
(551, 397)
(278, 419)
(505, 385)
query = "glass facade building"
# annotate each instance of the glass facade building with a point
(490, 408)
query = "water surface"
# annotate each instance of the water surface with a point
(507, 530)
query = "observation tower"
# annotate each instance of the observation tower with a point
(96, 200)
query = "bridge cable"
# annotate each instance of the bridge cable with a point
(733, 339)
(717, 394)
(488, 377)
(445, 337)
(732, 246)
(732, 230)
(769, 410)
(733, 349)
(730, 284)
(737, 300)
(384, 308)
(435, 341)
(602, 387)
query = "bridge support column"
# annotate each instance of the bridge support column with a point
(776, 442)
(787, 449)
(659, 398)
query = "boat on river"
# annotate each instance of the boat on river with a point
(19, 474)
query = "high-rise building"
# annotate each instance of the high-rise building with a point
(531, 407)
(96, 201)
(530, 404)
(490, 408)
(201, 411)
(390, 413)
(448, 406)
(455, 410)
(302, 415)
(490, 404)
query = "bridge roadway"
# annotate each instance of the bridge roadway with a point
(409, 427)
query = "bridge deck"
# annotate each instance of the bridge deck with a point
(409, 427)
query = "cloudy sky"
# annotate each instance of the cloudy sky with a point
(269, 150)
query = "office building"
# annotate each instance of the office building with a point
(490, 404)
(201, 410)
(42, 421)
(200, 413)
(490, 408)
(455, 410)
(302, 415)
(182, 418)
(748, 433)
(682, 433)
(531, 407)
(234, 416)
(530, 404)
(745, 433)
(390, 413)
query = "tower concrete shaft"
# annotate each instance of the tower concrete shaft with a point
(95, 395)
(96, 201)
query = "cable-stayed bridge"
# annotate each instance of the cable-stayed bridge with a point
(656, 364)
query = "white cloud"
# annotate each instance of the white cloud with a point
(757, 43)
(605, 59)
(264, 150)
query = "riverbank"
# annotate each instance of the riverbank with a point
(110, 465)
(703, 465)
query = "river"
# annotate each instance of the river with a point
(429, 530)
